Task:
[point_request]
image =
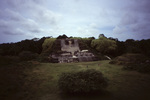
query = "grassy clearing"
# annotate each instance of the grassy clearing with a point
(39, 82)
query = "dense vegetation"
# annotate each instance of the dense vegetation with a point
(40, 49)
(89, 81)
(47, 45)
(13, 49)
(104, 45)
(101, 46)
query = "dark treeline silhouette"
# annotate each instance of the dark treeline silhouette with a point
(13, 49)
(133, 46)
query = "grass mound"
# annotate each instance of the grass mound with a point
(137, 62)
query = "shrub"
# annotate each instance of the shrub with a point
(88, 81)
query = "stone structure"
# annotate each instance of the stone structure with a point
(72, 52)
(70, 45)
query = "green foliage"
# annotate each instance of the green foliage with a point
(43, 58)
(84, 43)
(56, 48)
(121, 48)
(62, 36)
(1, 51)
(101, 35)
(7, 60)
(82, 82)
(47, 45)
(104, 45)
(101, 46)
(132, 46)
(144, 46)
(143, 67)
(130, 58)
(27, 55)
(132, 61)
(13, 49)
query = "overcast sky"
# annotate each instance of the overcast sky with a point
(27, 19)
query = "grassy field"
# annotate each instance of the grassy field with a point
(38, 81)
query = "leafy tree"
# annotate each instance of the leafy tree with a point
(13, 49)
(62, 36)
(104, 45)
(101, 35)
(85, 43)
(121, 48)
(144, 45)
(1, 51)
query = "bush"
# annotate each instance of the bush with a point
(88, 81)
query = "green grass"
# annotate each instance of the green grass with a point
(39, 82)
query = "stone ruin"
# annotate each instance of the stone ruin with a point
(72, 53)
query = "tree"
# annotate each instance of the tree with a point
(101, 35)
(85, 43)
(104, 45)
(132, 46)
(62, 36)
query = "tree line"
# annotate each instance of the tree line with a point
(103, 45)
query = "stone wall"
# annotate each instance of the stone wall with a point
(72, 52)
(70, 45)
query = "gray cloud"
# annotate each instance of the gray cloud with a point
(13, 32)
(46, 16)
(129, 19)
(36, 18)
(13, 22)
(135, 21)
(141, 6)
(29, 21)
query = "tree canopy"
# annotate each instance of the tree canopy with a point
(104, 45)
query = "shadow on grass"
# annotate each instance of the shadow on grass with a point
(100, 95)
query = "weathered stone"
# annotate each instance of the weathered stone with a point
(72, 52)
